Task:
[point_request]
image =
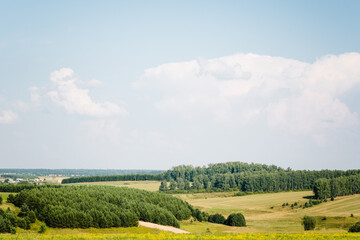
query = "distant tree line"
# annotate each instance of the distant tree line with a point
(75, 172)
(341, 186)
(103, 206)
(15, 188)
(244, 177)
(130, 177)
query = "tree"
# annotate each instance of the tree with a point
(236, 219)
(355, 227)
(217, 218)
(32, 216)
(1, 200)
(309, 223)
(172, 185)
(10, 198)
(163, 186)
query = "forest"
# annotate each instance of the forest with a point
(129, 177)
(15, 188)
(341, 186)
(102, 206)
(244, 177)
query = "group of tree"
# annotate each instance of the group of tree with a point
(234, 219)
(9, 220)
(128, 177)
(341, 186)
(103, 206)
(18, 187)
(244, 177)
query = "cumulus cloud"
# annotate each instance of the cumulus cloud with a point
(7, 116)
(76, 100)
(301, 97)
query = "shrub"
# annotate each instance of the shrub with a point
(10, 198)
(32, 216)
(236, 219)
(42, 228)
(217, 218)
(309, 223)
(355, 227)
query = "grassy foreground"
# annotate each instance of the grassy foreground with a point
(163, 236)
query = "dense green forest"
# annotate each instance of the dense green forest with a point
(244, 177)
(129, 177)
(102, 206)
(341, 186)
(74, 172)
(15, 188)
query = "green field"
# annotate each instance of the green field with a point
(264, 212)
(152, 186)
(265, 216)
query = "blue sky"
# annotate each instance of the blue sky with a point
(154, 84)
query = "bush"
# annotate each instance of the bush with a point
(236, 219)
(309, 223)
(217, 218)
(355, 227)
(42, 228)
(10, 198)
(32, 216)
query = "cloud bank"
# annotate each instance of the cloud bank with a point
(288, 94)
(76, 100)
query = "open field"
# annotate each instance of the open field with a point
(152, 186)
(265, 216)
(165, 236)
(264, 212)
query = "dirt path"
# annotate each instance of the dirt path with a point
(161, 227)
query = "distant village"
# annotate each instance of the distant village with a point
(17, 180)
(13, 178)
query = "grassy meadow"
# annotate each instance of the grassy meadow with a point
(264, 212)
(266, 218)
(152, 186)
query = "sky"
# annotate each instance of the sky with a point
(156, 84)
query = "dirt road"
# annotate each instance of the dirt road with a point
(161, 227)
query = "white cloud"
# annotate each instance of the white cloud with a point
(7, 116)
(288, 94)
(76, 100)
